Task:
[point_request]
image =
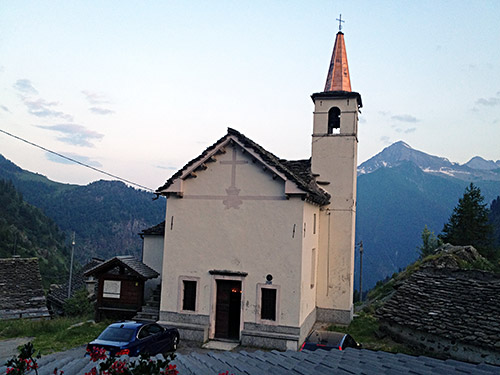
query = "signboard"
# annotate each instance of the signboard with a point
(111, 289)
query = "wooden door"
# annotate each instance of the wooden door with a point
(228, 309)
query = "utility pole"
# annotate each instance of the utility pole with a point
(71, 264)
(360, 271)
(15, 243)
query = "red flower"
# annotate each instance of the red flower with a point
(96, 354)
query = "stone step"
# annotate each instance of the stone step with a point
(150, 309)
(151, 318)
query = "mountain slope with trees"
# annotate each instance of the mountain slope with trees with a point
(106, 216)
(26, 231)
(400, 192)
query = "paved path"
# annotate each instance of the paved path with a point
(8, 348)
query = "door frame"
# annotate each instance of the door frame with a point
(213, 301)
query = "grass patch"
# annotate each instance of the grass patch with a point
(364, 328)
(54, 335)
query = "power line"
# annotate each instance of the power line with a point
(77, 162)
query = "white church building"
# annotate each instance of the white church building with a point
(256, 249)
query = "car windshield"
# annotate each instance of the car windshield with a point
(116, 334)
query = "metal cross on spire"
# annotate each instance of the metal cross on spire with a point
(340, 22)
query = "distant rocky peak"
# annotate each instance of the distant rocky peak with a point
(399, 152)
(401, 144)
(478, 162)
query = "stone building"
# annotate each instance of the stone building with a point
(21, 292)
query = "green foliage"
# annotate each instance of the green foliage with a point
(26, 231)
(79, 304)
(53, 335)
(429, 243)
(469, 224)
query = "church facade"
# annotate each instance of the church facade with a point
(257, 248)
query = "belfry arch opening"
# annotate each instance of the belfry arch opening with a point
(334, 120)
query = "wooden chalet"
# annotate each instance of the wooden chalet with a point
(120, 292)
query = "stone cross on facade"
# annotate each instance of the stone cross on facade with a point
(232, 200)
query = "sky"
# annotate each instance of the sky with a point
(139, 88)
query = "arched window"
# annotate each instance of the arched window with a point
(333, 120)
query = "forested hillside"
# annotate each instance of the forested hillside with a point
(105, 215)
(26, 231)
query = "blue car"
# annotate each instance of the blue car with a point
(133, 338)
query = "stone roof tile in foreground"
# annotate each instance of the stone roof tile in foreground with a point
(320, 362)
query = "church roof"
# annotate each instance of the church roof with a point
(338, 78)
(298, 171)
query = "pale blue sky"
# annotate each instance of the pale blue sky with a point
(140, 88)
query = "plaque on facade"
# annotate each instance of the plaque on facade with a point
(111, 289)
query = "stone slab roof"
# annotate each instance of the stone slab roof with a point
(462, 305)
(297, 171)
(134, 265)
(158, 229)
(320, 362)
(21, 292)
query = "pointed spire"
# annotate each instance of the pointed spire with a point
(338, 75)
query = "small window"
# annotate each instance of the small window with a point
(314, 224)
(268, 304)
(144, 332)
(155, 328)
(189, 296)
(334, 120)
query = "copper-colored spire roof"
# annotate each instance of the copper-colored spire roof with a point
(338, 75)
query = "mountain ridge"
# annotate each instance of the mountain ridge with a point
(475, 169)
(105, 215)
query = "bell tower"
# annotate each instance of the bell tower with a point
(334, 164)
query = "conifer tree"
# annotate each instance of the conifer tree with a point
(429, 243)
(469, 224)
